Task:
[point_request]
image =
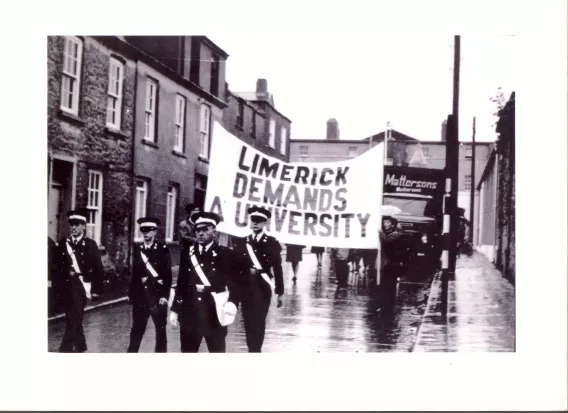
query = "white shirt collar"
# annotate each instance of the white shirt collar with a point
(147, 247)
(207, 247)
(258, 236)
(76, 240)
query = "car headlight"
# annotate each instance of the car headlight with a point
(424, 238)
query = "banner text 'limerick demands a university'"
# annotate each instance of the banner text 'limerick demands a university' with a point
(331, 204)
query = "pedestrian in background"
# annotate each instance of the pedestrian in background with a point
(392, 253)
(319, 254)
(78, 270)
(354, 259)
(294, 256)
(259, 256)
(150, 286)
(341, 258)
(187, 226)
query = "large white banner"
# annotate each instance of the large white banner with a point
(328, 204)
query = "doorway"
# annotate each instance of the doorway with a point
(60, 197)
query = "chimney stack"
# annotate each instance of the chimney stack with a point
(444, 130)
(262, 88)
(332, 130)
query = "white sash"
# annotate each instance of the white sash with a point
(225, 313)
(257, 265)
(75, 264)
(149, 265)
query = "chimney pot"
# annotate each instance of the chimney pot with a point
(262, 87)
(332, 130)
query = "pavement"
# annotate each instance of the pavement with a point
(319, 316)
(481, 311)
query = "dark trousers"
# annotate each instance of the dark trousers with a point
(370, 258)
(74, 338)
(191, 338)
(140, 315)
(341, 271)
(387, 288)
(255, 304)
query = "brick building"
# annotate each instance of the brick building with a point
(256, 111)
(180, 90)
(91, 98)
(402, 150)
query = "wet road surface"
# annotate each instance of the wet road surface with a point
(481, 311)
(317, 316)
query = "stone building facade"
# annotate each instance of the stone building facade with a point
(91, 99)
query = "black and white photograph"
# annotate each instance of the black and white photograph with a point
(370, 194)
(242, 216)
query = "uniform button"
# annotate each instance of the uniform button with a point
(199, 299)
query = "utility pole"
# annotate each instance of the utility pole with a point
(451, 197)
(472, 189)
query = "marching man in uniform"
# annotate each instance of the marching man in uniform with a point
(78, 269)
(150, 286)
(260, 259)
(206, 291)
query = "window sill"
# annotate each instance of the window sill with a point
(102, 248)
(71, 117)
(179, 154)
(203, 159)
(149, 143)
(115, 132)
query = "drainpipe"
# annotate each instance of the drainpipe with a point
(132, 175)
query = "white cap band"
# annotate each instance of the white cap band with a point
(79, 217)
(259, 214)
(148, 225)
(205, 221)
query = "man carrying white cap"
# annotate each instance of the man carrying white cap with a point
(78, 269)
(206, 291)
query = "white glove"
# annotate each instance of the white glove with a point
(174, 319)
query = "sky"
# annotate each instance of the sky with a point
(365, 80)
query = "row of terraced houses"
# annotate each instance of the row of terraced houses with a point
(129, 133)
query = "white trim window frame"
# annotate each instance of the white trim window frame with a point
(150, 110)
(141, 200)
(283, 137)
(71, 78)
(204, 130)
(272, 134)
(114, 99)
(179, 126)
(171, 203)
(95, 205)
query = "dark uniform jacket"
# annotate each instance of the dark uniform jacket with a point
(89, 261)
(158, 255)
(218, 264)
(267, 251)
(393, 249)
